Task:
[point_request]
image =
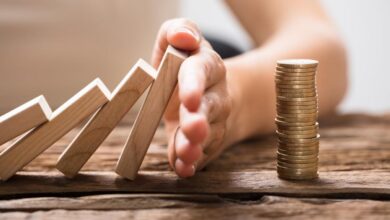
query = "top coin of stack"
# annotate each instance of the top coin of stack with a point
(296, 119)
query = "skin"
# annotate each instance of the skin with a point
(220, 102)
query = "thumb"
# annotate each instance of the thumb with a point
(180, 33)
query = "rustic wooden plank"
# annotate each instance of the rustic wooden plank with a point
(111, 202)
(106, 119)
(149, 117)
(63, 119)
(361, 184)
(265, 208)
(23, 118)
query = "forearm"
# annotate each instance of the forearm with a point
(251, 76)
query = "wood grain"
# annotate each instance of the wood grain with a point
(163, 207)
(354, 155)
(23, 118)
(66, 117)
(371, 184)
(110, 202)
(106, 119)
(150, 114)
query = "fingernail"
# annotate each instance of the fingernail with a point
(188, 31)
(193, 169)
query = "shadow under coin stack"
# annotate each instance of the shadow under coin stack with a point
(296, 119)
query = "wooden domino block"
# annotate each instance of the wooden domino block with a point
(23, 118)
(150, 114)
(104, 121)
(66, 117)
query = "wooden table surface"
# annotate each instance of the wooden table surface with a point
(354, 181)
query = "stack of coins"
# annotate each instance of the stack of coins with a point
(296, 119)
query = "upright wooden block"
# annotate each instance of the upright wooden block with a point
(150, 114)
(67, 116)
(104, 121)
(23, 118)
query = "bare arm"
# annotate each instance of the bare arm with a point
(281, 29)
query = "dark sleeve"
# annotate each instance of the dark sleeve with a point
(224, 49)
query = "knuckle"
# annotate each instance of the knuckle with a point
(228, 107)
(215, 60)
(220, 134)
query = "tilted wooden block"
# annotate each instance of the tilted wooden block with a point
(23, 118)
(66, 117)
(150, 114)
(104, 121)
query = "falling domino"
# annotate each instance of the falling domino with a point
(104, 121)
(150, 114)
(23, 118)
(66, 117)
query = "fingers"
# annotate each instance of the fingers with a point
(184, 170)
(202, 127)
(198, 73)
(182, 160)
(180, 33)
(215, 107)
(186, 151)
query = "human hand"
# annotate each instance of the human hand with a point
(197, 113)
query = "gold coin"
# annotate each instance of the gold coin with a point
(282, 110)
(291, 70)
(296, 135)
(294, 174)
(296, 95)
(299, 111)
(291, 82)
(301, 147)
(297, 165)
(298, 146)
(296, 170)
(297, 177)
(297, 128)
(293, 124)
(292, 132)
(299, 157)
(296, 91)
(279, 81)
(298, 153)
(283, 161)
(297, 120)
(298, 115)
(295, 78)
(295, 74)
(299, 140)
(294, 86)
(296, 103)
(297, 63)
(289, 99)
(282, 106)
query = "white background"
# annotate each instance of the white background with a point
(364, 25)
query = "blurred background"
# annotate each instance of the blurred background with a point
(56, 47)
